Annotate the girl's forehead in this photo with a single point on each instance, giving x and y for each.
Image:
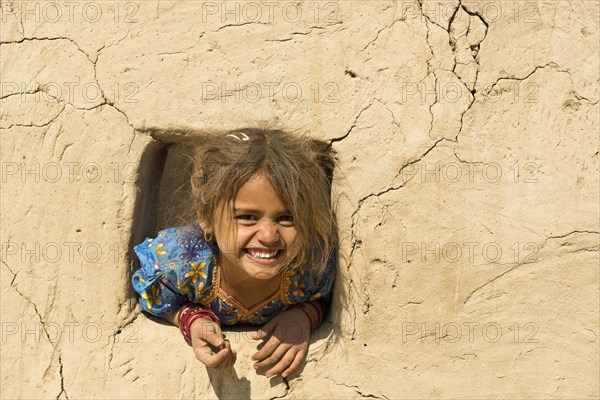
(258, 193)
(258, 185)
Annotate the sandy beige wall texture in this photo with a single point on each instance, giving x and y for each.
(467, 193)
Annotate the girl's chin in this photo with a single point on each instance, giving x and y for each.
(264, 277)
(262, 271)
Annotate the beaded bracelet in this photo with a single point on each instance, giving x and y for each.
(314, 312)
(188, 314)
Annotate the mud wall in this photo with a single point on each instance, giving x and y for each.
(467, 192)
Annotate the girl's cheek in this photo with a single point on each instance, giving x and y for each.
(244, 234)
(292, 237)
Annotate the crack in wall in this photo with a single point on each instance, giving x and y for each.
(492, 280)
(292, 34)
(339, 139)
(452, 41)
(104, 100)
(518, 79)
(401, 185)
(43, 323)
(33, 125)
(430, 70)
(475, 59)
(387, 27)
(568, 234)
(63, 102)
(287, 390)
(537, 68)
(106, 46)
(238, 25)
(128, 321)
(34, 39)
(62, 379)
(421, 3)
(358, 390)
(356, 243)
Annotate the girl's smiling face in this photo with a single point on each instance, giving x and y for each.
(265, 232)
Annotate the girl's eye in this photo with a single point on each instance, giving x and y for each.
(286, 218)
(245, 217)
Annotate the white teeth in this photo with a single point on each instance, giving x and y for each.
(260, 254)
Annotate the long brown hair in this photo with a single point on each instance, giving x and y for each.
(298, 167)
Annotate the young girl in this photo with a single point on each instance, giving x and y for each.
(262, 252)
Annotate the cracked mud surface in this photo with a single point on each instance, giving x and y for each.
(467, 134)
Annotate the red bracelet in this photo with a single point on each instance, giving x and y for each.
(190, 313)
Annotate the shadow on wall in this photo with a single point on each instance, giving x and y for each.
(162, 191)
(164, 199)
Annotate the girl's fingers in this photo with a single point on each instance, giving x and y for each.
(267, 350)
(220, 359)
(223, 363)
(283, 364)
(273, 358)
(231, 360)
(205, 354)
(226, 353)
(295, 364)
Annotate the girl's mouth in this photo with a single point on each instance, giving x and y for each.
(262, 256)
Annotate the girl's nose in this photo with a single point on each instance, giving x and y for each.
(268, 233)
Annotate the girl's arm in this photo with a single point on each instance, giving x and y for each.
(316, 311)
(172, 318)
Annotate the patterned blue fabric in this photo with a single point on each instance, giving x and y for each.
(179, 266)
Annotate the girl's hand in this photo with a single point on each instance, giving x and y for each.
(210, 345)
(288, 343)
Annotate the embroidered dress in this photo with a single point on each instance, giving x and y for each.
(179, 266)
